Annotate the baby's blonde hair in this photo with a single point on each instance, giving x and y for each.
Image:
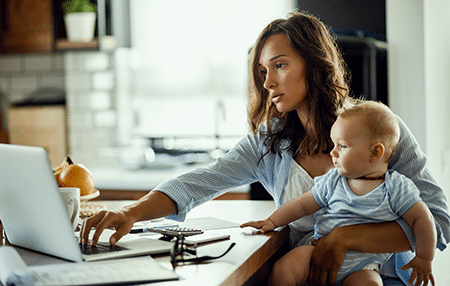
(380, 121)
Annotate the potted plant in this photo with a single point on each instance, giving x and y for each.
(79, 18)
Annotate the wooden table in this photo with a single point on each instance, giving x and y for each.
(248, 263)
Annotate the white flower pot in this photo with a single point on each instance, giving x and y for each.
(80, 26)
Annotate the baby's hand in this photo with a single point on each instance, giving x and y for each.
(263, 225)
(421, 269)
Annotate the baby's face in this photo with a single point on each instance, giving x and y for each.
(351, 153)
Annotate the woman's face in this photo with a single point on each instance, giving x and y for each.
(284, 75)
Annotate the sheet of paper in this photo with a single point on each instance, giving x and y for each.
(208, 223)
(10, 263)
(13, 271)
(129, 270)
(203, 223)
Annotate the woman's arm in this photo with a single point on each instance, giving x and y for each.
(177, 196)
(409, 160)
(330, 250)
(153, 205)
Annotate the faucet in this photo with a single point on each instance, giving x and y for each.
(219, 115)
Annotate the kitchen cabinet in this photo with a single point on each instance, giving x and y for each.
(33, 26)
(43, 126)
(26, 26)
(3, 132)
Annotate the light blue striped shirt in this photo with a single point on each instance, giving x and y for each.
(240, 166)
(341, 206)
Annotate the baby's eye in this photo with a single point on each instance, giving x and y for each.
(343, 146)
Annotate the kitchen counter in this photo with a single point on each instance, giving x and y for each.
(120, 180)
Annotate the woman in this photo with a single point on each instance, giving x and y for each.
(298, 82)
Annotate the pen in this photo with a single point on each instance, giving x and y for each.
(144, 229)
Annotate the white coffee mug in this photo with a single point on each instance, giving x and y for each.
(71, 198)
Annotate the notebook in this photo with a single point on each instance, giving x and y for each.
(33, 213)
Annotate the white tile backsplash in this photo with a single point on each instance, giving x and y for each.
(4, 84)
(96, 62)
(100, 100)
(105, 119)
(103, 80)
(76, 80)
(89, 81)
(58, 62)
(72, 62)
(52, 81)
(15, 96)
(79, 121)
(39, 62)
(11, 63)
(24, 83)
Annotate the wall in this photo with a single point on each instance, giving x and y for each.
(419, 43)
(437, 88)
(22, 74)
(437, 103)
(419, 67)
(406, 79)
(92, 106)
(87, 77)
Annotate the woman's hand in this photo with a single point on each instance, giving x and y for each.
(263, 225)
(117, 219)
(153, 205)
(326, 260)
(421, 269)
(329, 254)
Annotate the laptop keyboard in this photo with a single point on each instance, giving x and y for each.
(100, 248)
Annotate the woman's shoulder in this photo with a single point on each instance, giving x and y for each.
(396, 180)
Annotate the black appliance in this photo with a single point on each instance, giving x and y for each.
(366, 58)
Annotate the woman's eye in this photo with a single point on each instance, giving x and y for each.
(280, 65)
(263, 72)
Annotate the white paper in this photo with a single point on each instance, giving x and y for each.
(13, 268)
(130, 270)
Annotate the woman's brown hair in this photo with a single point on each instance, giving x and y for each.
(326, 84)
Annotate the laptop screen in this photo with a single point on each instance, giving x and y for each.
(31, 207)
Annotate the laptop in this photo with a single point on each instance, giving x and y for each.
(34, 217)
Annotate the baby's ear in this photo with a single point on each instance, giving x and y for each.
(377, 152)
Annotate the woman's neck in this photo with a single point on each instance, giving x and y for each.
(303, 114)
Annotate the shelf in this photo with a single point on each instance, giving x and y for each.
(64, 44)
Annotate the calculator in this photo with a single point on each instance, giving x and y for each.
(175, 230)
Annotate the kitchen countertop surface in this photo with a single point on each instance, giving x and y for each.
(117, 178)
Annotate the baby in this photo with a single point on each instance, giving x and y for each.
(360, 189)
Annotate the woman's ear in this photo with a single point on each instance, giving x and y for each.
(377, 152)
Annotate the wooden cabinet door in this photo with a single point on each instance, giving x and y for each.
(26, 26)
(43, 126)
